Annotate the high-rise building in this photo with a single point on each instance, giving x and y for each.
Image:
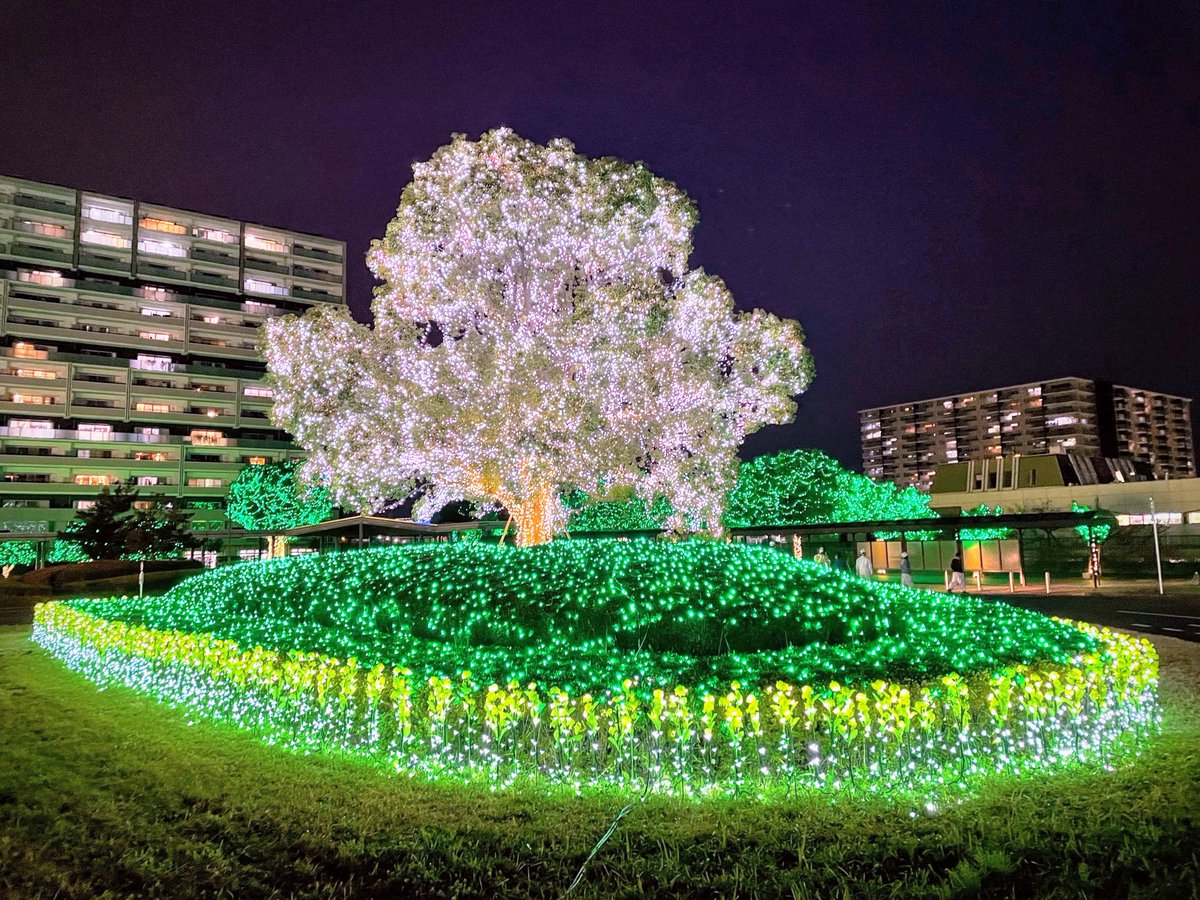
(128, 348)
(905, 442)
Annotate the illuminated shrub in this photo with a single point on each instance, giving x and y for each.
(698, 667)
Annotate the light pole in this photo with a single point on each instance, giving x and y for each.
(1157, 553)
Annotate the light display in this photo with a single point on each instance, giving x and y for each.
(984, 533)
(18, 553)
(615, 514)
(271, 498)
(916, 705)
(538, 330)
(806, 487)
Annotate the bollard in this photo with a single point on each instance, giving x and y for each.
(1011, 588)
(1047, 582)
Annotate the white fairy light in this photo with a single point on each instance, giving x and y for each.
(536, 330)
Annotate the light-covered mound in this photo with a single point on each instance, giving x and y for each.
(692, 668)
(587, 614)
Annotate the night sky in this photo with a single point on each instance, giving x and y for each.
(946, 200)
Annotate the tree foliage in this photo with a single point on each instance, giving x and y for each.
(114, 527)
(272, 498)
(612, 513)
(805, 487)
(983, 532)
(537, 330)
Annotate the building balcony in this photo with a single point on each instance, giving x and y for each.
(122, 264)
(33, 410)
(314, 253)
(254, 264)
(306, 294)
(46, 204)
(40, 254)
(210, 279)
(204, 254)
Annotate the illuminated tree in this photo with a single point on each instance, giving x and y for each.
(1093, 535)
(806, 487)
(984, 533)
(613, 513)
(271, 497)
(537, 330)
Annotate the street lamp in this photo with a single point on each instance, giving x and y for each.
(1157, 553)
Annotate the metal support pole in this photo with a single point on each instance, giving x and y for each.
(1047, 582)
(1157, 553)
(1011, 588)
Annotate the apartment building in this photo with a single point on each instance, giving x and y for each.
(128, 348)
(906, 442)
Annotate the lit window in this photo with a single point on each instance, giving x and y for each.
(154, 335)
(147, 480)
(42, 276)
(94, 431)
(46, 229)
(30, 428)
(84, 504)
(162, 248)
(266, 309)
(264, 287)
(104, 238)
(33, 399)
(107, 214)
(205, 438)
(160, 225)
(257, 460)
(149, 432)
(94, 480)
(215, 234)
(148, 456)
(157, 293)
(267, 392)
(211, 320)
(44, 374)
(150, 363)
(144, 406)
(205, 482)
(156, 311)
(254, 242)
(1059, 421)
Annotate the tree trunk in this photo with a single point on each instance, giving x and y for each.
(534, 516)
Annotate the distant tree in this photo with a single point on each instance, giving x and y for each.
(113, 528)
(805, 487)
(984, 533)
(618, 511)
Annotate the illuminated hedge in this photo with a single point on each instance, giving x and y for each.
(668, 738)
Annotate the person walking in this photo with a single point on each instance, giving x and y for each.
(821, 557)
(958, 581)
(839, 562)
(905, 570)
(862, 566)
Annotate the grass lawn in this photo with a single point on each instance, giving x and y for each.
(107, 794)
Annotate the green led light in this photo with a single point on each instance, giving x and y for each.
(693, 668)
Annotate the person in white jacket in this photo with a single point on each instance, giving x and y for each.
(862, 566)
